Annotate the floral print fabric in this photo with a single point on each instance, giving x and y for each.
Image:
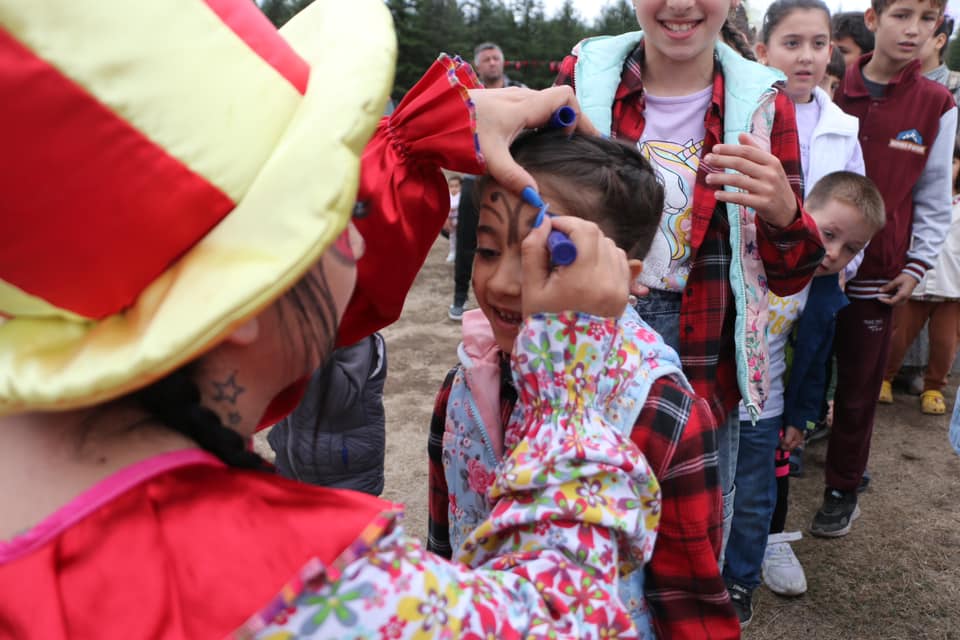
(572, 497)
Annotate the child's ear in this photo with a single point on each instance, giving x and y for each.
(636, 267)
(870, 18)
(761, 51)
(246, 334)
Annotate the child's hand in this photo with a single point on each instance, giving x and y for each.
(597, 282)
(765, 186)
(898, 290)
(792, 438)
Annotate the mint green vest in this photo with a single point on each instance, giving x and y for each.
(748, 106)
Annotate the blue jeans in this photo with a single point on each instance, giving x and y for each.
(661, 310)
(728, 446)
(756, 498)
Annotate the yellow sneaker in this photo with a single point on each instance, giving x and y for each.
(932, 403)
(886, 393)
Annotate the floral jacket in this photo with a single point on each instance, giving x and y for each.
(572, 498)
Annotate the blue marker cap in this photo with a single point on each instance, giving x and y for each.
(562, 250)
(562, 118)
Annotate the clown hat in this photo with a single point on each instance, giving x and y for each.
(168, 169)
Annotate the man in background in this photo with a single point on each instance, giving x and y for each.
(488, 62)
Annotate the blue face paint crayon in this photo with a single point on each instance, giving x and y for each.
(562, 118)
(562, 250)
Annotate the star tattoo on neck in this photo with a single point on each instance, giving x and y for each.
(228, 390)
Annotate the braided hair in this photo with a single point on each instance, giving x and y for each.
(175, 401)
(605, 181)
(736, 39)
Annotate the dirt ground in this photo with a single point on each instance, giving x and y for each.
(896, 576)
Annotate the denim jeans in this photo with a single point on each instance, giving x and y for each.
(756, 498)
(728, 446)
(661, 310)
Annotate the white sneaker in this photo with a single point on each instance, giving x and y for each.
(782, 572)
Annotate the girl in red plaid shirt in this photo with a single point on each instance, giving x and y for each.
(723, 137)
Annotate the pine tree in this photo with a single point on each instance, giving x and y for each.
(279, 11)
(615, 18)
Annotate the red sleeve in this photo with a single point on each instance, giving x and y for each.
(403, 199)
(790, 255)
(684, 589)
(565, 75)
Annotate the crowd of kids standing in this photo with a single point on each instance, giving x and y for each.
(610, 455)
(863, 123)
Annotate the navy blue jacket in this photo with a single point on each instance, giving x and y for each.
(812, 345)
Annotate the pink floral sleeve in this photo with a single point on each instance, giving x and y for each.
(573, 495)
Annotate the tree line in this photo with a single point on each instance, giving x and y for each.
(530, 40)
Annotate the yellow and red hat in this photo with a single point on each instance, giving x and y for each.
(168, 169)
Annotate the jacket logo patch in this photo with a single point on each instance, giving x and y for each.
(909, 140)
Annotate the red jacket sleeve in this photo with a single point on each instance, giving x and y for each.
(403, 198)
(565, 75)
(790, 255)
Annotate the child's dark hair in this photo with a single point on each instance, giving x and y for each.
(837, 67)
(609, 183)
(956, 156)
(853, 189)
(945, 29)
(850, 24)
(881, 5)
(780, 9)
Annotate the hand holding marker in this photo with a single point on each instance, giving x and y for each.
(562, 250)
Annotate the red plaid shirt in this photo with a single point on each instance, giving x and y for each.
(790, 255)
(675, 430)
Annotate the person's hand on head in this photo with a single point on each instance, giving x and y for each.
(503, 113)
(760, 176)
(898, 290)
(596, 283)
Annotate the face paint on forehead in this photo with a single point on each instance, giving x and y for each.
(513, 215)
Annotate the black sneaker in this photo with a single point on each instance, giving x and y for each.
(864, 482)
(836, 515)
(742, 599)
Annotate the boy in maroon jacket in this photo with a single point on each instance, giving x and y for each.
(907, 126)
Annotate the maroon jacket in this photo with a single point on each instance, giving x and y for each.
(897, 133)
